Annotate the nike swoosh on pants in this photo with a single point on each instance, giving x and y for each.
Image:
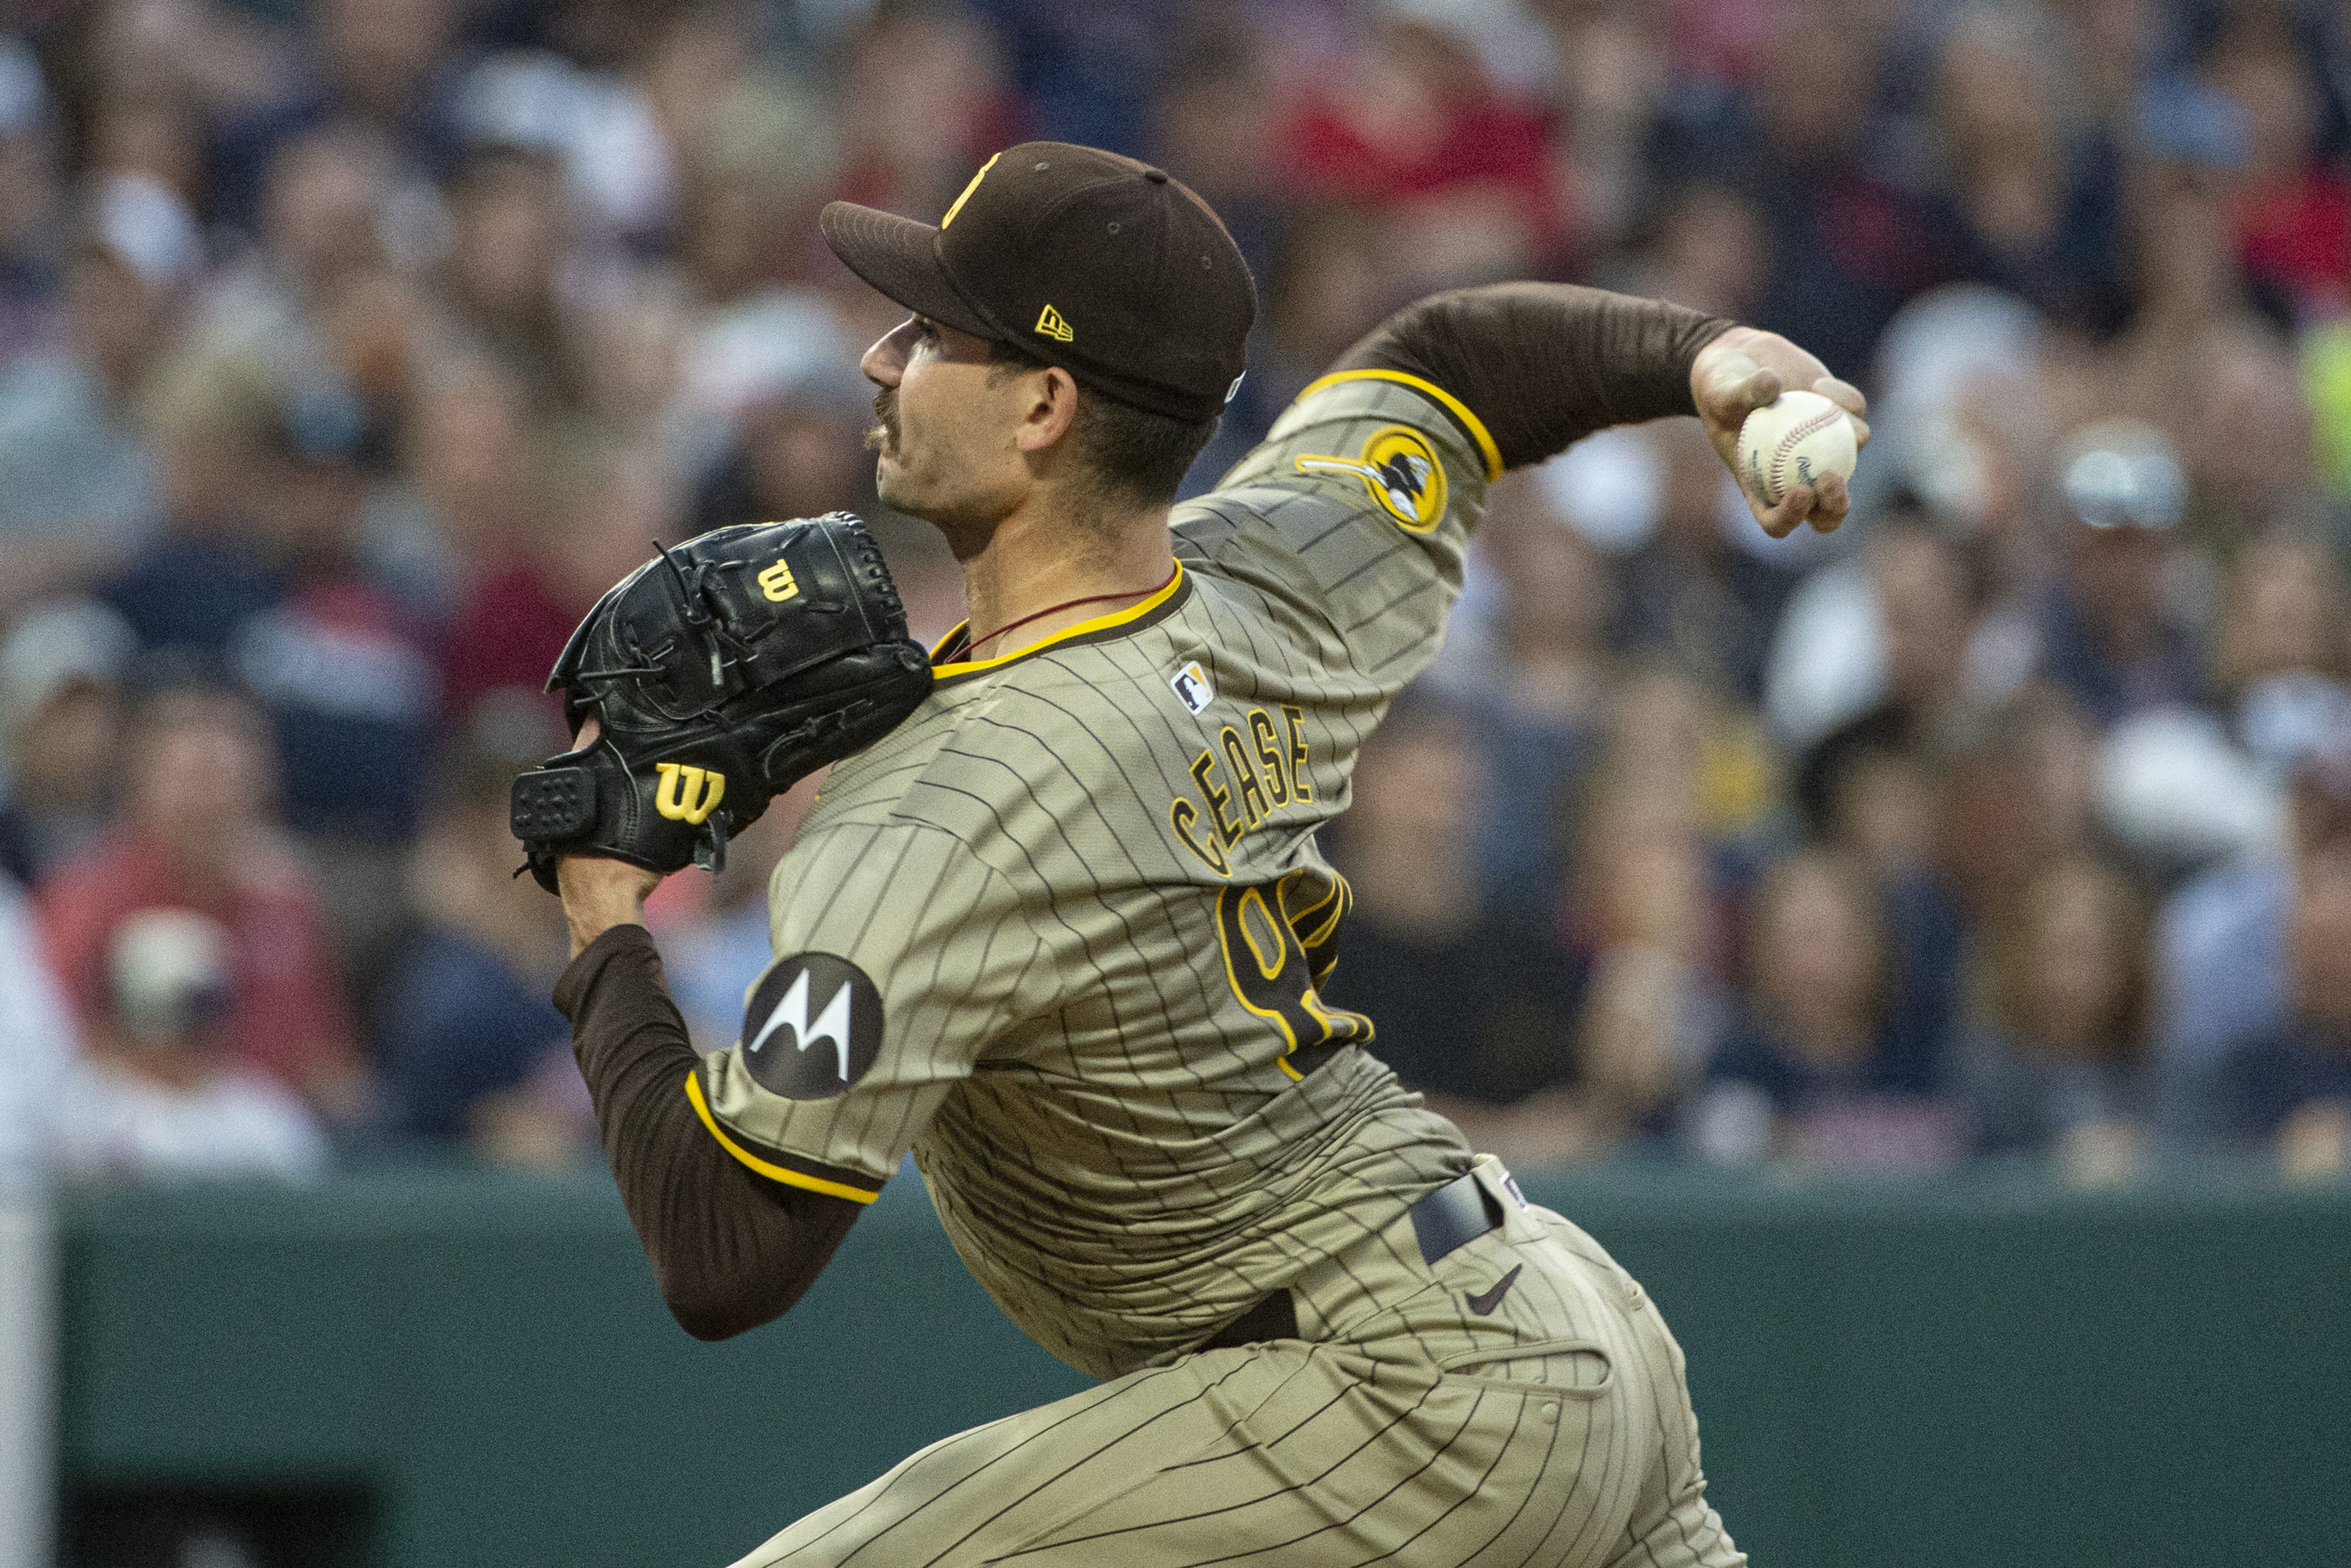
(1485, 1303)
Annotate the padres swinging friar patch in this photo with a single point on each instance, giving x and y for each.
(812, 1027)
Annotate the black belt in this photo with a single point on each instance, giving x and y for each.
(1454, 1214)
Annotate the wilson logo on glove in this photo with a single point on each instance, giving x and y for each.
(688, 794)
(761, 651)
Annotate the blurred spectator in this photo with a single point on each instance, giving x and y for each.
(509, 239)
(755, 334)
(1709, 248)
(326, 217)
(572, 101)
(792, 457)
(474, 457)
(1690, 594)
(2034, 197)
(161, 1093)
(2294, 211)
(2247, 441)
(1847, 245)
(1085, 68)
(2110, 635)
(2017, 785)
(593, 511)
(60, 718)
(78, 486)
(1540, 707)
(1474, 1008)
(2283, 651)
(1810, 1074)
(467, 1044)
(1878, 639)
(1970, 383)
(190, 586)
(1644, 901)
(2058, 1065)
(2291, 1084)
(28, 201)
(2224, 940)
(195, 833)
(383, 64)
(341, 669)
(1413, 123)
(1921, 605)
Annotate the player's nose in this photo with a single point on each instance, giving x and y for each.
(885, 361)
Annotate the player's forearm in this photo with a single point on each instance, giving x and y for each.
(1545, 364)
(730, 1249)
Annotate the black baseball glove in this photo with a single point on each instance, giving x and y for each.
(720, 674)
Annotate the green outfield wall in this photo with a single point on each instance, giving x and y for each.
(460, 1367)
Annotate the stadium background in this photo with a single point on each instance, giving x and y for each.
(1978, 877)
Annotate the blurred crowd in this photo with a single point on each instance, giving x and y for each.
(348, 350)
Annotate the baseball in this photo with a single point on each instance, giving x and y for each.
(1793, 439)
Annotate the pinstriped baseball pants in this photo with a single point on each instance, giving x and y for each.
(1403, 1428)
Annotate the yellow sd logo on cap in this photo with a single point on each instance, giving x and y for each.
(688, 794)
(1401, 472)
(968, 190)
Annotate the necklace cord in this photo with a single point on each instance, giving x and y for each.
(972, 645)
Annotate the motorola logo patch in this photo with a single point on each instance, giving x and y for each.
(812, 1027)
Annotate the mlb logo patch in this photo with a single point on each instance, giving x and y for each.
(1192, 688)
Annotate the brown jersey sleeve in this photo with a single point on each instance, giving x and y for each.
(729, 1249)
(1543, 365)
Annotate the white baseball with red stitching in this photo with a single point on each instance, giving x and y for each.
(1794, 440)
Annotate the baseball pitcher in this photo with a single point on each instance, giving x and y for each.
(1060, 932)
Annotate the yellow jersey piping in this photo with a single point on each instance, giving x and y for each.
(1111, 621)
(765, 1167)
(1451, 404)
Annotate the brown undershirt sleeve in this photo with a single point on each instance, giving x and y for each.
(1545, 364)
(730, 1249)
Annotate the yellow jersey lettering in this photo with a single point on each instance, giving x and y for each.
(1202, 766)
(1181, 816)
(1268, 752)
(1245, 778)
(1300, 784)
(1260, 942)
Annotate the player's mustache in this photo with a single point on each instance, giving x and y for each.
(883, 437)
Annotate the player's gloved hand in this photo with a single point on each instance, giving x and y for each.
(1739, 373)
(720, 674)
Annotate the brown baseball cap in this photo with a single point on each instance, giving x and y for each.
(1098, 264)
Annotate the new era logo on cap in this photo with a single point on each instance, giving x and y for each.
(1050, 325)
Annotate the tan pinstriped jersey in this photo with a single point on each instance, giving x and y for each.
(1059, 933)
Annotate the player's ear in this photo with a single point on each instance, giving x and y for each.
(1052, 409)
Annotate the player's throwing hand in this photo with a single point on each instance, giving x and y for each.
(1741, 372)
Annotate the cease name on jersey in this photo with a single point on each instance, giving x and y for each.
(1242, 781)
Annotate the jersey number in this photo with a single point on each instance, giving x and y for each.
(1274, 957)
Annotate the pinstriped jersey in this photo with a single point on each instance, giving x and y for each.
(1062, 932)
